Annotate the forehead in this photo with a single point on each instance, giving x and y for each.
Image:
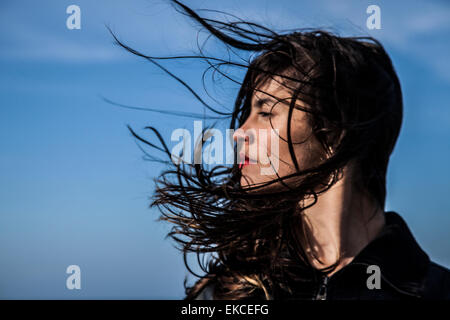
(272, 89)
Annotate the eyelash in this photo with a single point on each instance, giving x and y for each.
(264, 114)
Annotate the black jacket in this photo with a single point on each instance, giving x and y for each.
(406, 271)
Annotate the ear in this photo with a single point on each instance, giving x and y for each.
(332, 148)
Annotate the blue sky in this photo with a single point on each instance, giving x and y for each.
(73, 185)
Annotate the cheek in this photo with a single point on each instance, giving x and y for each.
(303, 150)
(276, 130)
(267, 147)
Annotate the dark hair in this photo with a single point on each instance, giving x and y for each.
(253, 241)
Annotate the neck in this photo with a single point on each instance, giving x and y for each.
(343, 221)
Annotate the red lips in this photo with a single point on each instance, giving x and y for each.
(246, 160)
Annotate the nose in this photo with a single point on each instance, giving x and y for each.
(240, 136)
(244, 138)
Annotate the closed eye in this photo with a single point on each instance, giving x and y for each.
(264, 114)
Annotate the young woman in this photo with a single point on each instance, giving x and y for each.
(313, 226)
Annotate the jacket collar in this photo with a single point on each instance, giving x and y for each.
(403, 264)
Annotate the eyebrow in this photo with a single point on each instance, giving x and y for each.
(260, 102)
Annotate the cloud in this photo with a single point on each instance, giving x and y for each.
(154, 27)
(420, 31)
(45, 37)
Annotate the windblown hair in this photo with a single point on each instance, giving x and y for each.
(251, 244)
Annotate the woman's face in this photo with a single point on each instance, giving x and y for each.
(262, 151)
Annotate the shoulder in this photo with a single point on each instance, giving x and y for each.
(437, 283)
